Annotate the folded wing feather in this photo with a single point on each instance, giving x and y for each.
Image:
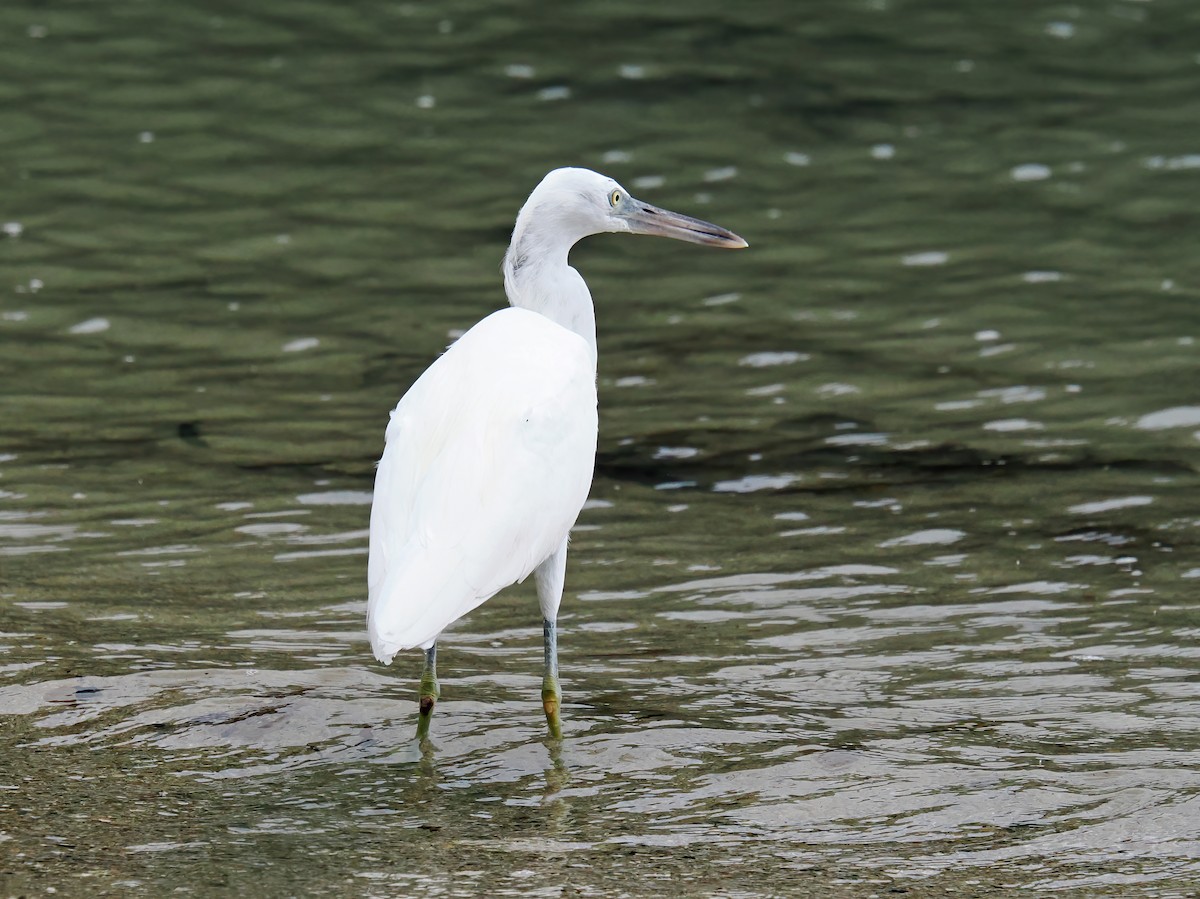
(488, 460)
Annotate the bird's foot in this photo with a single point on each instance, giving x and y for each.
(426, 715)
(430, 691)
(551, 701)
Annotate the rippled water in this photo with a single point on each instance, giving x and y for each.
(889, 577)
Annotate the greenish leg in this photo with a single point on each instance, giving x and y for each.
(429, 692)
(551, 696)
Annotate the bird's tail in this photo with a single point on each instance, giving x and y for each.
(414, 603)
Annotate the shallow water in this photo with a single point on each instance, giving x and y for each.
(889, 577)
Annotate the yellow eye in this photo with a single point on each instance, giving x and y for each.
(614, 198)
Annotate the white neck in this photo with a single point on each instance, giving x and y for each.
(537, 277)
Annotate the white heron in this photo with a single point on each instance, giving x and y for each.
(488, 457)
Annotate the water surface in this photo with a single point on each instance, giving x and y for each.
(888, 581)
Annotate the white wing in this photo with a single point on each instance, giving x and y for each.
(488, 461)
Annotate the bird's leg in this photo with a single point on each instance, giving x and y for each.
(429, 692)
(551, 696)
(549, 577)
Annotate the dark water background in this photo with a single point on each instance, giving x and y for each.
(889, 580)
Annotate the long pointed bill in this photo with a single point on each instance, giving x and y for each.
(647, 219)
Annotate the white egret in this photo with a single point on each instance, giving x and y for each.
(488, 457)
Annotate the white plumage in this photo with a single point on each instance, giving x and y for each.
(488, 457)
(488, 461)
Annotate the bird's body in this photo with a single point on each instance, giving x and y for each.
(487, 463)
(488, 457)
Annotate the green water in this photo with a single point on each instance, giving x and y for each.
(889, 579)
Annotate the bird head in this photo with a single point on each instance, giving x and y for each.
(578, 202)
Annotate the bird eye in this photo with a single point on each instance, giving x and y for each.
(614, 198)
